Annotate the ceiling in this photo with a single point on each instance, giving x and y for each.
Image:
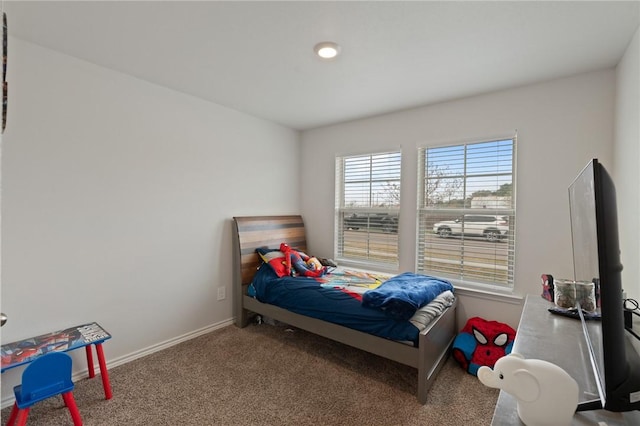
(257, 57)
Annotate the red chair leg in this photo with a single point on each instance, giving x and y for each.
(14, 414)
(22, 416)
(73, 408)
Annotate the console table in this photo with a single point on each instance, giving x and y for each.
(560, 340)
(82, 336)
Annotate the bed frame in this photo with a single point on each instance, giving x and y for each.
(269, 231)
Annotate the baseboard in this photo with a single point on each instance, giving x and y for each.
(82, 374)
(157, 347)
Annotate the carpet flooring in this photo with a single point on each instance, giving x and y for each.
(270, 375)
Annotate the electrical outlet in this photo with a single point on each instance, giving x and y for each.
(222, 293)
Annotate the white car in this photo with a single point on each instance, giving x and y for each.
(493, 228)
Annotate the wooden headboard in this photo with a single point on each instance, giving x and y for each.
(253, 232)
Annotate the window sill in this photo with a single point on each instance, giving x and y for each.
(499, 296)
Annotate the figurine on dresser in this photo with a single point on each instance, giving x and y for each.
(546, 394)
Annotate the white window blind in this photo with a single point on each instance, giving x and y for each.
(467, 211)
(367, 209)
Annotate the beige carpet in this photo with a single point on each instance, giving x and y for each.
(270, 375)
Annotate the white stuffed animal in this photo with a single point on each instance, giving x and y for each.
(546, 394)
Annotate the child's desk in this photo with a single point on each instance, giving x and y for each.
(26, 350)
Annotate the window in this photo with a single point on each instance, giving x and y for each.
(466, 213)
(367, 209)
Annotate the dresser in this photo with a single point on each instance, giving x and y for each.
(560, 340)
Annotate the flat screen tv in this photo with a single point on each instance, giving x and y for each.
(596, 257)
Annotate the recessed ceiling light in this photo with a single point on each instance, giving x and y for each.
(327, 49)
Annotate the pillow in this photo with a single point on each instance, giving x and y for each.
(482, 343)
(275, 259)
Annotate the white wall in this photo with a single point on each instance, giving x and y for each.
(117, 202)
(118, 194)
(626, 173)
(561, 124)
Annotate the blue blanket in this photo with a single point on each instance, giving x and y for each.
(401, 296)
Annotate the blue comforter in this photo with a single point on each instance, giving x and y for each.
(401, 296)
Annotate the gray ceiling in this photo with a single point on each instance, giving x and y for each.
(257, 57)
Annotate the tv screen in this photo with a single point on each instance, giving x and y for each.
(596, 258)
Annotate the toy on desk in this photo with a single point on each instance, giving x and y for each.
(546, 394)
(547, 287)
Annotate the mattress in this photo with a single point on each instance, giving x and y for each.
(337, 298)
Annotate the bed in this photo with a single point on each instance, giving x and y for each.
(433, 343)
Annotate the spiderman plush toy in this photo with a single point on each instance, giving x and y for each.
(301, 263)
(482, 342)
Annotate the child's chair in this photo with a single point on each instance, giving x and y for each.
(46, 376)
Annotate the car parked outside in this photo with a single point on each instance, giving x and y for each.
(493, 228)
(383, 222)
